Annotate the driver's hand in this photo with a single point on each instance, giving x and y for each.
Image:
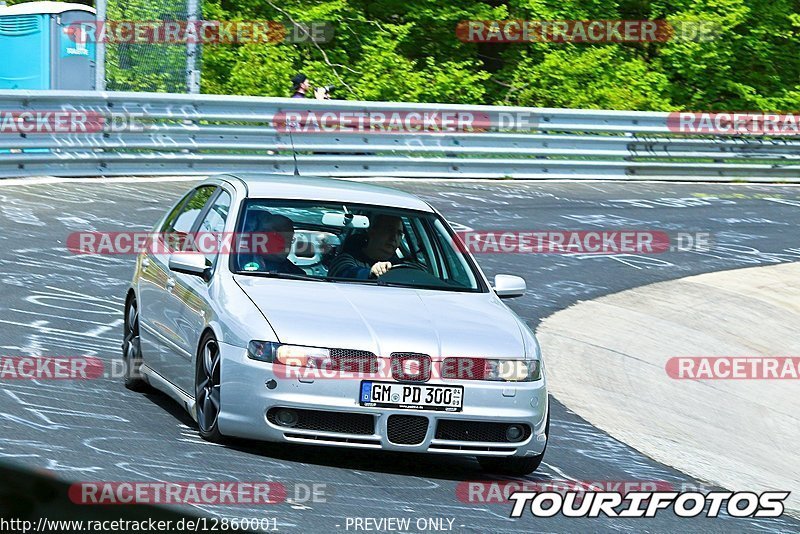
(380, 268)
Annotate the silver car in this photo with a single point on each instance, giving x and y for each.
(360, 321)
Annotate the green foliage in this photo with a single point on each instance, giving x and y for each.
(145, 67)
(373, 56)
(407, 50)
(590, 78)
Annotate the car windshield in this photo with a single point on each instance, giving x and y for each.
(332, 242)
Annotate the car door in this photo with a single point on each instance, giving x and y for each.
(190, 304)
(158, 283)
(152, 281)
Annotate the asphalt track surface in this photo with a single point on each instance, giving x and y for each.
(59, 304)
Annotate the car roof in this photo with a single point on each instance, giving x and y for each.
(285, 186)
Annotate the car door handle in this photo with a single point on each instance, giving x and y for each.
(170, 285)
(145, 263)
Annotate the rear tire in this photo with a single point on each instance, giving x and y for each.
(517, 466)
(132, 349)
(207, 389)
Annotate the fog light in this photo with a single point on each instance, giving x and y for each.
(514, 433)
(286, 417)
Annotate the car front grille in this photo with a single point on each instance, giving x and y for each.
(324, 421)
(411, 367)
(456, 430)
(407, 429)
(354, 361)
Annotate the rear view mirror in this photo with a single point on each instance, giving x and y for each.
(342, 220)
(508, 286)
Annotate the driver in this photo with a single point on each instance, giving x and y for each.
(372, 259)
(279, 231)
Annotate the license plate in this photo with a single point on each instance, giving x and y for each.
(411, 396)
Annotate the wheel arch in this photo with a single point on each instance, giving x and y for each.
(212, 329)
(207, 329)
(212, 434)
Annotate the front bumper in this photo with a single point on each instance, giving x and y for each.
(246, 400)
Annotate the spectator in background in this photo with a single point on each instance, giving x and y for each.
(300, 85)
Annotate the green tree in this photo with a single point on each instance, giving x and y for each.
(408, 50)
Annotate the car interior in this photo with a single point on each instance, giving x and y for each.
(321, 233)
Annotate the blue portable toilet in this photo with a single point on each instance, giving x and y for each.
(37, 49)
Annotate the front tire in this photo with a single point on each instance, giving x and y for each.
(207, 389)
(132, 349)
(517, 466)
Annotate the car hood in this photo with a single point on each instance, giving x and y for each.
(386, 319)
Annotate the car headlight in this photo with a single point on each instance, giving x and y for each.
(512, 370)
(494, 370)
(291, 355)
(263, 351)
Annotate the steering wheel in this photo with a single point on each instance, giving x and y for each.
(408, 265)
(411, 273)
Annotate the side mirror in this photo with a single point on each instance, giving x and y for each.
(508, 286)
(190, 263)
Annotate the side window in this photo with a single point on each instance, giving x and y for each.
(408, 246)
(214, 223)
(183, 224)
(180, 222)
(419, 242)
(454, 265)
(168, 222)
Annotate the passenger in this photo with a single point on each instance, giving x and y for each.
(371, 259)
(255, 220)
(279, 232)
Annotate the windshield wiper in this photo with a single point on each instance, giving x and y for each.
(424, 286)
(339, 279)
(287, 276)
(384, 283)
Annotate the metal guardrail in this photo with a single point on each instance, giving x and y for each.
(201, 134)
